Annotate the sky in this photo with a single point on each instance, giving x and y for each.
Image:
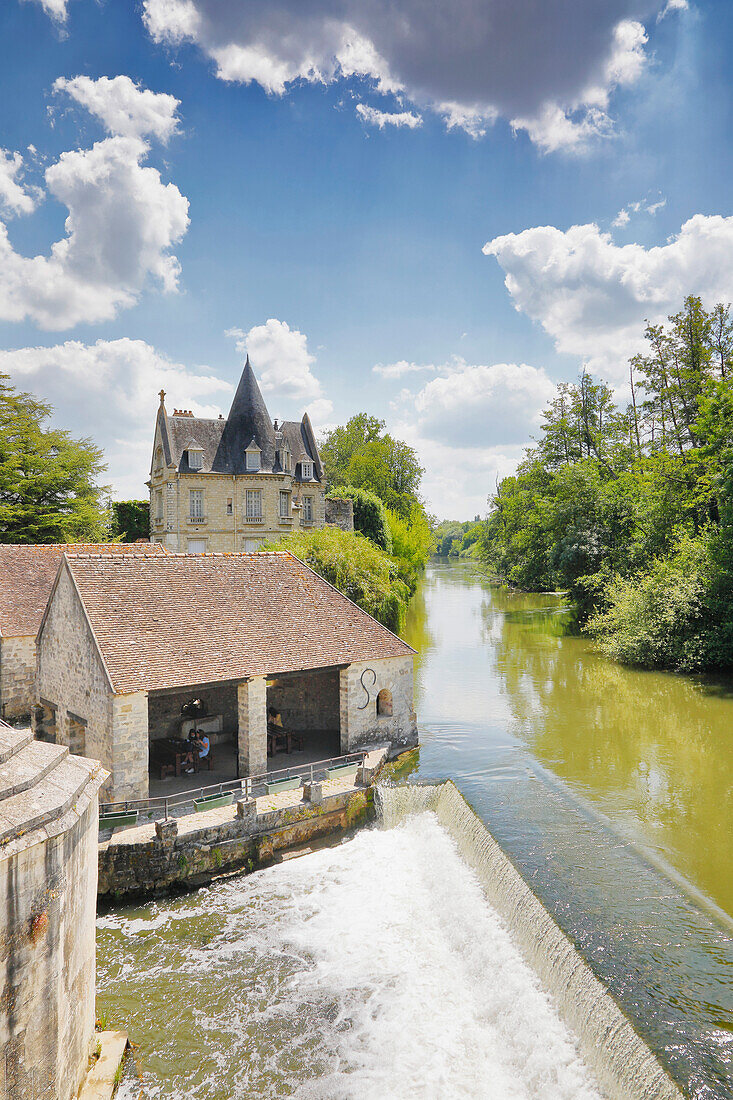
(431, 212)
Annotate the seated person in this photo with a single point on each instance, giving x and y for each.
(201, 744)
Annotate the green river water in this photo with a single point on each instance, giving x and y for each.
(653, 752)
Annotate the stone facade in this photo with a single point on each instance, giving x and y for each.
(71, 678)
(368, 720)
(48, 895)
(230, 484)
(253, 726)
(225, 526)
(17, 677)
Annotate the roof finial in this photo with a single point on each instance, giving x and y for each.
(162, 397)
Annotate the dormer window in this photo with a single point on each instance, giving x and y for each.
(306, 470)
(252, 458)
(195, 458)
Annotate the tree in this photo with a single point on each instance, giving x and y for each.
(48, 481)
(362, 454)
(130, 520)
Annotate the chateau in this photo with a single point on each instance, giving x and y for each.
(229, 484)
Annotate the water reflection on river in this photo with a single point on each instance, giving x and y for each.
(651, 751)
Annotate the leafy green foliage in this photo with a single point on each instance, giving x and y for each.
(454, 539)
(631, 510)
(358, 568)
(370, 515)
(364, 455)
(48, 481)
(412, 542)
(130, 520)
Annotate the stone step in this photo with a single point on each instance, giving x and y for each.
(29, 766)
(43, 802)
(12, 741)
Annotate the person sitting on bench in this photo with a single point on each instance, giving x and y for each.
(276, 733)
(201, 743)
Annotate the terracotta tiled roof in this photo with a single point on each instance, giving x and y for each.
(27, 574)
(187, 619)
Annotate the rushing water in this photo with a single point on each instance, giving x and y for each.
(377, 968)
(374, 970)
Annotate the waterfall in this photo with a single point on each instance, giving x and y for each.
(623, 1064)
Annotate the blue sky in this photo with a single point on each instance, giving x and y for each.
(430, 212)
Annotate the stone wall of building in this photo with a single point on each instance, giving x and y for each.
(164, 710)
(222, 531)
(252, 736)
(340, 513)
(48, 898)
(130, 747)
(17, 677)
(307, 700)
(71, 677)
(362, 723)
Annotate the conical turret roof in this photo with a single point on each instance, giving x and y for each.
(248, 420)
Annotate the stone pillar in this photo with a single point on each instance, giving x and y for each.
(129, 764)
(252, 738)
(344, 708)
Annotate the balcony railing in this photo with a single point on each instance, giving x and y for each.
(254, 519)
(197, 519)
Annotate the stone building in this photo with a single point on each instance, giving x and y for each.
(125, 642)
(48, 898)
(229, 484)
(27, 574)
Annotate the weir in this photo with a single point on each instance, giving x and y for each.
(623, 1064)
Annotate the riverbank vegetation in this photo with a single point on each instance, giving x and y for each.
(631, 509)
(454, 539)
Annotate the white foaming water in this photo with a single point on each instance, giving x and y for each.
(369, 971)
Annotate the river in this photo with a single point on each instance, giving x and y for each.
(374, 970)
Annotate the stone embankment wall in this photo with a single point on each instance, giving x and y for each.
(190, 851)
(17, 677)
(48, 890)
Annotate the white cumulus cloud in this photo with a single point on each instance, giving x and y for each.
(123, 107)
(592, 296)
(56, 9)
(280, 358)
(112, 386)
(122, 224)
(15, 196)
(552, 73)
(401, 368)
(470, 425)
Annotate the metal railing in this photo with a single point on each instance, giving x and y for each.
(250, 786)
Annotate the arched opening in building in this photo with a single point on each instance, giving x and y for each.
(384, 702)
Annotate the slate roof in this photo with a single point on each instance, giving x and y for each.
(27, 574)
(182, 619)
(225, 441)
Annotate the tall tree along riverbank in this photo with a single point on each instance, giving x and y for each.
(631, 509)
